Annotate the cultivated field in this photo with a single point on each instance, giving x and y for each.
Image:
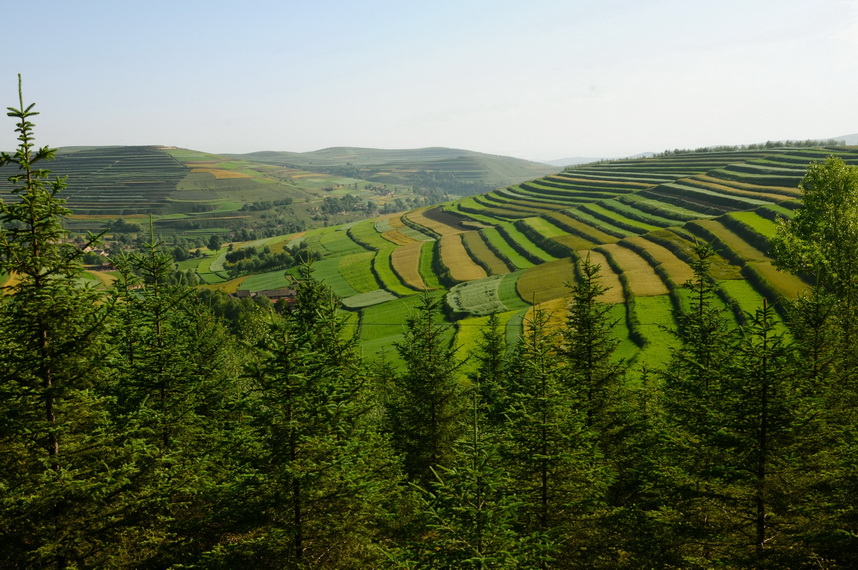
(515, 248)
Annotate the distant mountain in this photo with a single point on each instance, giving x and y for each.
(456, 171)
(850, 140)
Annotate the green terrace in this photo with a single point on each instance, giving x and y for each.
(504, 251)
(131, 180)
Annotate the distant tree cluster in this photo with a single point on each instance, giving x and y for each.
(349, 203)
(756, 146)
(121, 226)
(252, 260)
(265, 205)
(154, 426)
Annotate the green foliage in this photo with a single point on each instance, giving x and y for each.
(426, 410)
(67, 468)
(591, 373)
(321, 466)
(549, 451)
(214, 242)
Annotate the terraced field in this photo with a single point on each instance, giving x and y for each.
(515, 248)
(130, 180)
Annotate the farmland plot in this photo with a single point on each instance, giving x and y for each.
(609, 279)
(477, 298)
(616, 218)
(405, 261)
(368, 299)
(548, 281)
(364, 233)
(456, 259)
(677, 270)
(264, 281)
(383, 268)
(434, 226)
(578, 228)
(496, 242)
(642, 278)
(338, 241)
(476, 246)
(357, 270)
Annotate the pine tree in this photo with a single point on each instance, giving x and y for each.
(640, 493)
(323, 472)
(176, 388)
(68, 471)
(591, 372)
(555, 468)
(770, 424)
(467, 516)
(425, 414)
(488, 376)
(693, 397)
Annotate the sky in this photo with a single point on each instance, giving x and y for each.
(541, 79)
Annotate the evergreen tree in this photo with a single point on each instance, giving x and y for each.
(467, 516)
(323, 472)
(769, 422)
(176, 388)
(68, 471)
(552, 456)
(693, 397)
(591, 373)
(640, 493)
(489, 374)
(426, 412)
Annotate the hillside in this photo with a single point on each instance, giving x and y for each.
(190, 191)
(510, 249)
(456, 171)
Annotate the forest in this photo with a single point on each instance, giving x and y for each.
(142, 428)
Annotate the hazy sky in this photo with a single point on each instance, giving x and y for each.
(537, 79)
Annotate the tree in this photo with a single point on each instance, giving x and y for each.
(550, 453)
(822, 237)
(821, 241)
(322, 471)
(427, 407)
(488, 376)
(67, 468)
(694, 382)
(467, 515)
(591, 373)
(214, 242)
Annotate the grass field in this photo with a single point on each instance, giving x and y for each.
(382, 326)
(655, 315)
